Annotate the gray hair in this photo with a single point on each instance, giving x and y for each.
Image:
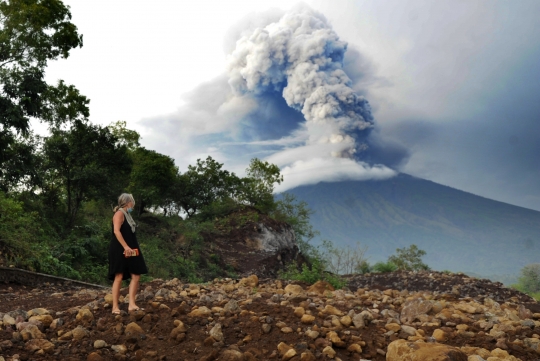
(124, 199)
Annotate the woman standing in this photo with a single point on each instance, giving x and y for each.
(125, 257)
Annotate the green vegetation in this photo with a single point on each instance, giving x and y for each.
(409, 259)
(529, 282)
(384, 267)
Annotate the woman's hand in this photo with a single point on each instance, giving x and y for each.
(128, 252)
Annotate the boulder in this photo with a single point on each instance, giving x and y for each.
(401, 350)
(251, 281)
(294, 289)
(321, 287)
(414, 309)
(133, 330)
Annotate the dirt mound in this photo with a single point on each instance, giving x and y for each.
(456, 284)
(252, 319)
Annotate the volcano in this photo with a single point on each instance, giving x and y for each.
(460, 231)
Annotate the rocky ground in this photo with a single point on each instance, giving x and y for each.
(397, 316)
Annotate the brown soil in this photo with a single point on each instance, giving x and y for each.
(266, 305)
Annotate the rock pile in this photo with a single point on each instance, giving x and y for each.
(252, 319)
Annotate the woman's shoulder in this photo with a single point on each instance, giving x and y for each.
(118, 215)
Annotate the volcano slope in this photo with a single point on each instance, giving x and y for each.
(395, 316)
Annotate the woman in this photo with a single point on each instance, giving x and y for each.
(124, 261)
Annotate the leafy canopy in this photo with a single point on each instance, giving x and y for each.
(409, 259)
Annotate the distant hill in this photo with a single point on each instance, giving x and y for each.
(459, 231)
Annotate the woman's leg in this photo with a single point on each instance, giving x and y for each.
(116, 291)
(133, 287)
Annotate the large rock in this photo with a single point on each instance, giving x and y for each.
(200, 312)
(415, 308)
(78, 333)
(401, 350)
(294, 289)
(321, 287)
(251, 281)
(39, 344)
(46, 320)
(31, 332)
(85, 316)
(133, 330)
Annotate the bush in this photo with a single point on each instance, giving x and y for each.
(384, 267)
(529, 282)
(312, 274)
(409, 259)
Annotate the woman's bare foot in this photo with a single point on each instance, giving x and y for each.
(116, 312)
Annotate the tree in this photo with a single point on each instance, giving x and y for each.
(32, 32)
(258, 186)
(153, 179)
(529, 282)
(84, 163)
(204, 184)
(129, 138)
(409, 259)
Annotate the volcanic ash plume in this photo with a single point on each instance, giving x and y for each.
(301, 57)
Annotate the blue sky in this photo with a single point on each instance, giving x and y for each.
(452, 86)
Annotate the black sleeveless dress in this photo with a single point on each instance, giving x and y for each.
(118, 263)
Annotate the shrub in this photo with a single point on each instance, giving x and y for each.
(529, 282)
(384, 267)
(312, 274)
(409, 259)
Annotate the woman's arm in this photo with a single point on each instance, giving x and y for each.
(118, 219)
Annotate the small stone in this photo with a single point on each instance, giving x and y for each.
(500, 353)
(251, 281)
(286, 330)
(329, 352)
(392, 327)
(46, 320)
(200, 312)
(408, 330)
(356, 348)
(439, 335)
(312, 334)
(79, 332)
(294, 289)
(232, 307)
(100, 344)
(31, 332)
(85, 316)
(289, 354)
(331, 310)
(120, 349)
(39, 344)
(299, 311)
(216, 332)
(346, 320)
(266, 328)
(283, 348)
(307, 356)
(307, 319)
(231, 355)
(94, 356)
(109, 299)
